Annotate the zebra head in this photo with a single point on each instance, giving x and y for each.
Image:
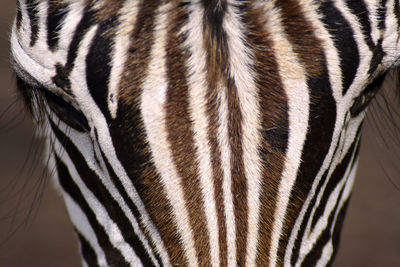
(204, 133)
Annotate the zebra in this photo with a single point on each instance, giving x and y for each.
(204, 133)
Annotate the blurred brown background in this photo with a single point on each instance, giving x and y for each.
(41, 234)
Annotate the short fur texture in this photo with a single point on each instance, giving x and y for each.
(208, 132)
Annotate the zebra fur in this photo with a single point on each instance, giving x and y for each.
(204, 133)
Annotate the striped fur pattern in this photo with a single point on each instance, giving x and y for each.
(204, 132)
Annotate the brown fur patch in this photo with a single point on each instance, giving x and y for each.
(216, 48)
(308, 49)
(239, 182)
(301, 35)
(180, 134)
(273, 105)
(109, 10)
(215, 42)
(132, 138)
(212, 114)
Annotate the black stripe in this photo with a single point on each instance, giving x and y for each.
(312, 204)
(343, 37)
(318, 140)
(131, 152)
(95, 185)
(302, 229)
(307, 215)
(381, 15)
(326, 235)
(129, 136)
(117, 183)
(378, 54)
(214, 13)
(377, 57)
(57, 13)
(335, 179)
(61, 79)
(360, 10)
(98, 65)
(87, 251)
(86, 22)
(18, 17)
(337, 230)
(396, 10)
(111, 253)
(31, 7)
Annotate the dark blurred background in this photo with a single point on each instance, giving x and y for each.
(35, 229)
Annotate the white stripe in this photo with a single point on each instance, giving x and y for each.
(81, 223)
(96, 120)
(294, 81)
(83, 143)
(41, 42)
(348, 187)
(328, 249)
(351, 129)
(127, 20)
(365, 54)
(115, 236)
(37, 59)
(241, 70)
(25, 61)
(197, 91)
(310, 11)
(372, 7)
(326, 255)
(310, 237)
(24, 34)
(79, 219)
(152, 106)
(334, 71)
(67, 30)
(223, 142)
(343, 105)
(89, 108)
(391, 44)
